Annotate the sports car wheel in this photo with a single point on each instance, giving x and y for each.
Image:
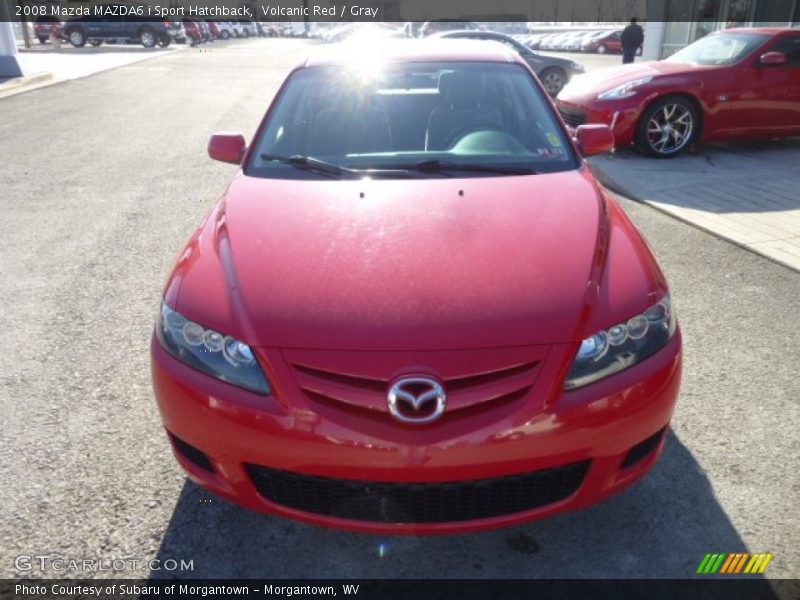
(668, 127)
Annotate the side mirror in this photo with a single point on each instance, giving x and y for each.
(594, 139)
(227, 147)
(773, 58)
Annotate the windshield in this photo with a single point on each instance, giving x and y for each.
(720, 49)
(431, 119)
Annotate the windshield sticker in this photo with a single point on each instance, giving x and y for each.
(553, 139)
(550, 152)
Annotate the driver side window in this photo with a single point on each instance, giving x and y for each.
(790, 46)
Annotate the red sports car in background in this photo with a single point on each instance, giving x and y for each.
(413, 309)
(604, 42)
(731, 85)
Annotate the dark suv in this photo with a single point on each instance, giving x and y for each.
(122, 29)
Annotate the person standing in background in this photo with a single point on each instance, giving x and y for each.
(632, 39)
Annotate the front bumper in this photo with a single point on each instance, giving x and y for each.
(581, 447)
(621, 115)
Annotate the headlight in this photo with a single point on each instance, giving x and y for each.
(626, 90)
(214, 353)
(614, 349)
(577, 67)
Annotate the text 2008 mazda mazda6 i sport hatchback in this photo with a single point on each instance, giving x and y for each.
(413, 309)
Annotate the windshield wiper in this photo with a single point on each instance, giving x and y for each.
(320, 166)
(439, 166)
(310, 163)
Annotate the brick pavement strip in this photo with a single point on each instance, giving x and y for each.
(745, 193)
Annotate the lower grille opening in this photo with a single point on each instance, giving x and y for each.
(643, 449)
(573, 118)
(192, 454)
(418, 502)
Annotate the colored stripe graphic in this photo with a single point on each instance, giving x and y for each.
(741, 563)
(711, 563)
(721, 562)
(727, 564)
(758, 563)
(703, 563)
(734, 563)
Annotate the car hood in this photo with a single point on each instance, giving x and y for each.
(396, 264)
(602, 80)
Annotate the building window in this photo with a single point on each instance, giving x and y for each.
(775, 12)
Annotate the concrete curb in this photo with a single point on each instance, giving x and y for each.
(18, 85)
(614, 186)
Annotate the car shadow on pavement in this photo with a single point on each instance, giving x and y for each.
(660, 527)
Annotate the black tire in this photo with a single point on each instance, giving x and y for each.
(225, 34)
(668, 127)
(42, 39)
(601, 49)
(147, 37)
(553, 79)
(76, 37)
(95, 42)
(164, 41)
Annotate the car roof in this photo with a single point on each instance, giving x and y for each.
(400, 51)
(768, 30)
(471, 32)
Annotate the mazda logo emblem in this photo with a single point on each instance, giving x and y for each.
(416, 400)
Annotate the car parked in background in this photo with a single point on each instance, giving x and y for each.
(267, 29)
(554, 72)
(431, 27)
(194, 31)
(736, 84)
(246, 28)
(534, 41)
(572, 41)
(119, 29)
(606, 42)
(225, 30)
(214, 30)
(553, 41)
(365, 33)
(528, 364)
(45, 26)
(338, 33)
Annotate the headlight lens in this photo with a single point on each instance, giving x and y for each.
(218, 355)
(622, 345)
(626, 90)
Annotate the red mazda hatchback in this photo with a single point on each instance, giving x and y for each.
(413, 309)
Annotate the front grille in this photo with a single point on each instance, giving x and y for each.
(366, 393)
(418, 502)
(572, 117)
(643, 449)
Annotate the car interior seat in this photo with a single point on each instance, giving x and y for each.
(465, 108)
(351, 125)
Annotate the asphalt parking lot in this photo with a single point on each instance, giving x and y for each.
(103, 179)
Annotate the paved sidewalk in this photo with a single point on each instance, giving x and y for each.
(746, 193)
(53, 65)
